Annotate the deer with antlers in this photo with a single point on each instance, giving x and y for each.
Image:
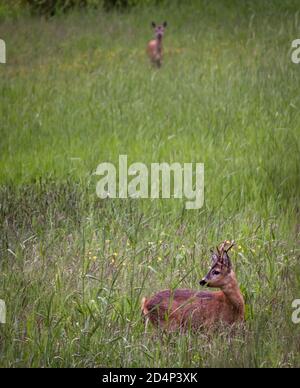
(183, 308)
(155, 46)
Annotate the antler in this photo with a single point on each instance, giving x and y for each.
(223, 247)
(223, 252)
(231, 246)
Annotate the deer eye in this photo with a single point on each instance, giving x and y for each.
(216, 273)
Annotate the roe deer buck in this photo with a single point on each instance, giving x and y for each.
(155, 46)
(183, 308)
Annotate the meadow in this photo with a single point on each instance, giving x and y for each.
(78, 90)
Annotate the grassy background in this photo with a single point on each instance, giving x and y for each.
(78, 90)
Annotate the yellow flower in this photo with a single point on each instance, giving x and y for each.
(94, 257)
(240, 247)
(115, 254)
(159, 259)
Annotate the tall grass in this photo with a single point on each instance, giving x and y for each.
(78, 90)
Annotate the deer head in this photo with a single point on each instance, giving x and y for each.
(219, 274)
(159, 30)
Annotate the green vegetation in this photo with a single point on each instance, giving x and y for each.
(77, 90)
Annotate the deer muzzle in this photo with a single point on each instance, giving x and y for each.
(203, 282)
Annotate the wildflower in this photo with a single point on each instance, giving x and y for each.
(94, 258)
(159, 259)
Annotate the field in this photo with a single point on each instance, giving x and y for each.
(77, 90)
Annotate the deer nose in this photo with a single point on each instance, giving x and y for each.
(203, 282)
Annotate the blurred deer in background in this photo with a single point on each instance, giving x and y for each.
(180, 309)
(155, 46)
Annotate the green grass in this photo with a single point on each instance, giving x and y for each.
(77, 91)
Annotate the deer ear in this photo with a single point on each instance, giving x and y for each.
(214, 258)
(165, 24)
(153, 24)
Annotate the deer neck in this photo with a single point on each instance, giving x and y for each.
(233, 293)
(159, 44)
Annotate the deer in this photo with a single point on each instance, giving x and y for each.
(155, 46)
(181, 309)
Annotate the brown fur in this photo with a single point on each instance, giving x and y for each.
(179, 309)
(155, 52)
(155, 46)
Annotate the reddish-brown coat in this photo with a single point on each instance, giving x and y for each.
(187, 308)
(155, 51)
(180, 309)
